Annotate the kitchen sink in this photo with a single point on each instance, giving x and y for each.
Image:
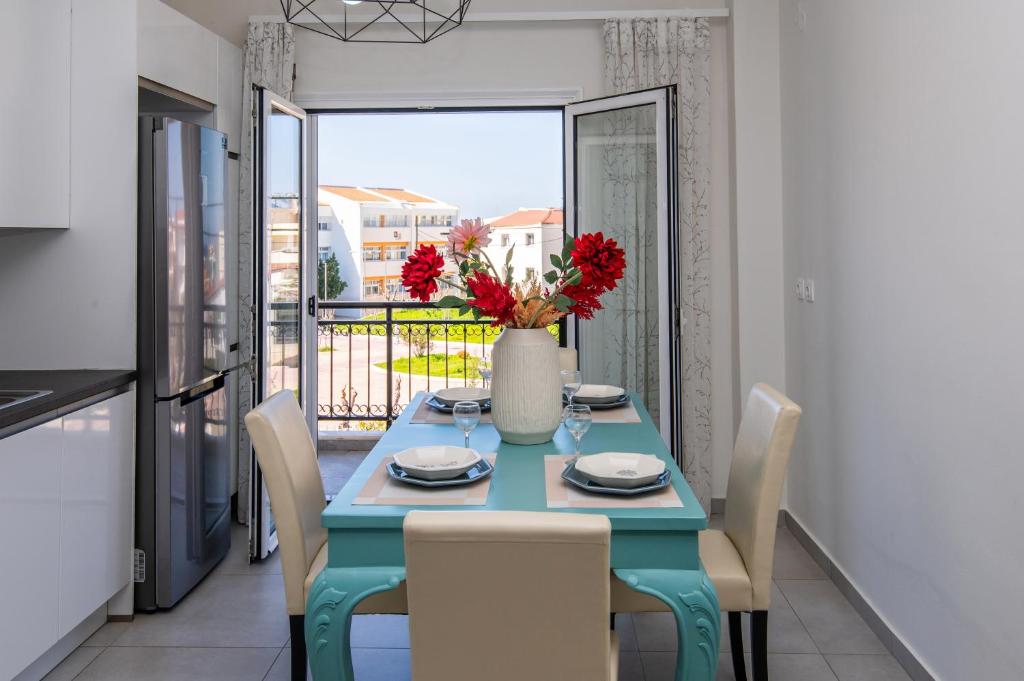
(11, 398)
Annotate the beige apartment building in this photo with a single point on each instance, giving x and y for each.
(372, 230)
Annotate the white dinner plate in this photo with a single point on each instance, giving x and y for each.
(450, 396)
(621, 469)
(592, 393)
(437, 462)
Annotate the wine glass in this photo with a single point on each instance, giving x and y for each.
(577, 421)
(572, 380)
(466, 416)
(483, 367)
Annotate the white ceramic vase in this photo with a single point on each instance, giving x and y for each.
(526, 388)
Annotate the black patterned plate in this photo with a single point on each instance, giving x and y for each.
(477, 472)
(621, 402)
(438, 405)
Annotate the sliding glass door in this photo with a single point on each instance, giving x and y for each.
(620, 180)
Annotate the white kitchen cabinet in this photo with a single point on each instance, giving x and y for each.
(35, 114)
(66, 523)
(176, 51)
(96, 506)
(29, 544)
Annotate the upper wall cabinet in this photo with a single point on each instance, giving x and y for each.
(35, 114)
(176, 51)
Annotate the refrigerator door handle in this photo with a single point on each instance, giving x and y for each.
(201, 391)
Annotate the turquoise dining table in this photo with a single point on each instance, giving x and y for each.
(653, 550)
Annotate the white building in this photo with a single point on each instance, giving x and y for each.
(372, 230)
(535, 233)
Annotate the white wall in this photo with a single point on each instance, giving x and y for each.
(497, 57)
(904, 158)
(68, 298)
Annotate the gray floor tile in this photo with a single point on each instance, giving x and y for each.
(372, 664)
(655, 631)
(866, 668)
(829, 618)
(226, 611)
(626, 630)
(782, 667)
(237, 560)
(380, 631)
(73, 664)
(107, 634)
(282, 669)
(786, 634)
(792, 561)
(180, 664)
(659, 666)
(631, 668)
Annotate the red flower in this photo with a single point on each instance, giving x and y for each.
(586, 298)
(420, 272)
(601, 261)
(491, 297)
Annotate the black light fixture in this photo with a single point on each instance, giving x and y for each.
(377, 21)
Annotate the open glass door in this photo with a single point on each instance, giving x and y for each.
(620, 179)
(282, 280)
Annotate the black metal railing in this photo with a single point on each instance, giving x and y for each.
(374, 356)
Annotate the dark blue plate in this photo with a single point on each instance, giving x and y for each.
(438, 405)
(574, 477)
(477, 472)
(597, 406)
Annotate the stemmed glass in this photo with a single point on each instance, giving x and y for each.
(572, 381)
(483, 367)
(466, 416)
(577, 421)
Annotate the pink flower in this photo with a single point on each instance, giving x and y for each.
(469, 237)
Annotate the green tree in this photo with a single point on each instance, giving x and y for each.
(331, 270)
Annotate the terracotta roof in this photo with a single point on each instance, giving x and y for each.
(354, 194)
(525, 217)
(401, 195)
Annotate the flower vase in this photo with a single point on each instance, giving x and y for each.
(526, 402)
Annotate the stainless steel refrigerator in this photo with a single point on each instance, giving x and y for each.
(187, 355)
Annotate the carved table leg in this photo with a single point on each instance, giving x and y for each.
(332, 598)
(692, 599)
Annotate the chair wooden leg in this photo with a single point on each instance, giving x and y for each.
(297, 624)
(759, 644)
(739, 666)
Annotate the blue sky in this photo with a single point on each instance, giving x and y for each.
(486, 163)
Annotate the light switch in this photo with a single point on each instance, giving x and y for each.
(809, 290)
(800, 295)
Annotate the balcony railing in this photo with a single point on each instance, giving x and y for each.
(374, 356)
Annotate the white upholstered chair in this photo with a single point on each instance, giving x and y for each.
(287, 458)
(509, 596)
(739, 558)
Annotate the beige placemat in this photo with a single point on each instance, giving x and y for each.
(425, 414)
(561, 494)
(623, 414)
(381, 490)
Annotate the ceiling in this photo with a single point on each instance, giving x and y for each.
(229, 18)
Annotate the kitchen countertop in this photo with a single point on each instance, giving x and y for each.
(68, 386)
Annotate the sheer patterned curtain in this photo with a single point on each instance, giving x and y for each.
(644, 53)
(269, 58)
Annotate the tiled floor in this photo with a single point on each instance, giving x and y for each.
(234, 627)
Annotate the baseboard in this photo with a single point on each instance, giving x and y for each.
(64, 647)
(903, 654)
